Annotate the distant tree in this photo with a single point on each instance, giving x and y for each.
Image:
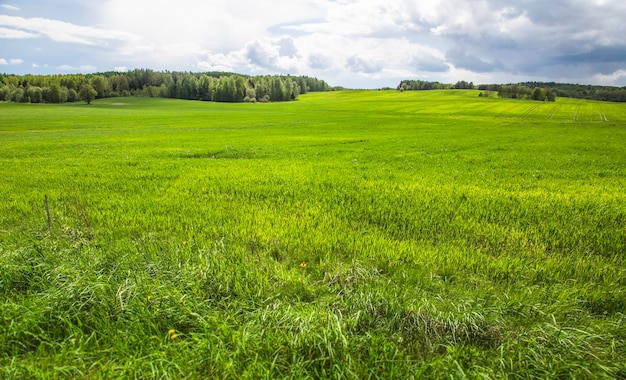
(150, 91)
(205, 88)
(87, 93)
(520, 91)
(277, 90)
(187, 87)
(164, 91)
(538, 94)
(119, 84)
(261, 88)
(56, 94)
(240, 89)
(70, 82)
(302, 85)
(463, 85)
(101, 85)
(292, 89)
(17, 95)
(35, 94)
(72, 95)
(419, 85)
(226, 90)
(250, 95)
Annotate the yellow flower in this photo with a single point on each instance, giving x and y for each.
(173, 336)
(171, 331)
(185, 242)
(149, 298)
(303, 265)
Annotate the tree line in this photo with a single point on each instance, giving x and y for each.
(208, 86)
(419, 85)
(569, 90)
(545, 91)
(519, 91)
(515, 91)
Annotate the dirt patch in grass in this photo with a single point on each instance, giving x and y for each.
(119, 104)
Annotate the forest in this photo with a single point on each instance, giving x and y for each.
(569, 90)
(519, 91)
(209, 86)
(544, 91)
(408, 85)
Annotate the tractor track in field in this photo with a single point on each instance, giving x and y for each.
(552, 112)
(575, 115)
(528, 112)
(602, 114)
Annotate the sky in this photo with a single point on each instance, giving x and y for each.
(349, 43)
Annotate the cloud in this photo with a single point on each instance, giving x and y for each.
(9, 7)
(532, 38)
(320, 62)
(231, 62)
(287, 47)
(7, 33)
(618, 78)
(360, 65)
(82, 68)
(218, 26)
(430, 64)
(13, 61)
(365, 18)
(60, 31)
(356, 43)
(463, 59)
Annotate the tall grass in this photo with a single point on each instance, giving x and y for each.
(349, 235)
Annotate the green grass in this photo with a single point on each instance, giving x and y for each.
(366, 234)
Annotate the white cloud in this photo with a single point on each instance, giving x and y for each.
(82, 68)
(7, 33)
(60, 31)
(121, 69)
(12, 61)
(9, 7)
(231, 62)
(618, 76)
(218, 25)
(363, 19)
(347, 42)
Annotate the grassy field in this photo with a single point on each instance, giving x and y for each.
(372, 234)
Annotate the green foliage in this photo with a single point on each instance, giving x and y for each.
(516, 91)
(421, 85)
(87, 93)
(35, 94)
(356, 234)
(100, 84)
(605, 93)
(17, 95)
(463, 85)
(221, 87)
(547, 91)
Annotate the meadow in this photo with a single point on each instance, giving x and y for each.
(350, 234)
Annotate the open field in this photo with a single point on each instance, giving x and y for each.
(366, 234)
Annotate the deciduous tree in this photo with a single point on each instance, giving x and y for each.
(87, 93)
